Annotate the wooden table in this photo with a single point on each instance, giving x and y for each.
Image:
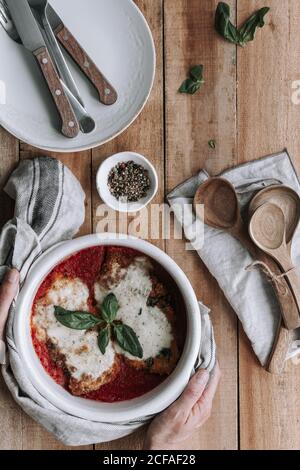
(246, 106)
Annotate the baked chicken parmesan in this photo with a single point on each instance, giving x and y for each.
(105, 326)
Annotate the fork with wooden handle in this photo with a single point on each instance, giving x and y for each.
(33, 40)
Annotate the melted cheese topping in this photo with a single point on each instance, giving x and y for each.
(132, 289)
(80, 349)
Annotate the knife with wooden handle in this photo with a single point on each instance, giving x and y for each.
(33, 40)
(107, 94)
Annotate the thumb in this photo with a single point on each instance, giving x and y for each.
(193, 391)
(8, 290)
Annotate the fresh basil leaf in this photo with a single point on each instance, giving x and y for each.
(242, 35)
(128, 340)
(103, 339)
(196, 72)
(149, 362)
(189, 86)
(76, 320)
(109, 308)
(247, 31)
(212, 144)
(223, 24)
(195, 81)
(166, 352)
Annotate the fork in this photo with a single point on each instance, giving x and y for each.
(86, 122)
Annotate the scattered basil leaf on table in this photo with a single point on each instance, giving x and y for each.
(128, 340)
(76, 320)
(246, 32)
(194, 82)
(196, 72)
(103, 339)
(223, 24)
(212, 144)
(109, 308)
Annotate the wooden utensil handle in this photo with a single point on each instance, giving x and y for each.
(279, 351)
(294, 281)
(70, 126)
(107, 93)
(287, 302)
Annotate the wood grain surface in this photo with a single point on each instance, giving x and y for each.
(246, 107)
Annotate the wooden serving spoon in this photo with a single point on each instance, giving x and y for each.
(288, 201)
(267, 229)
(222, 212)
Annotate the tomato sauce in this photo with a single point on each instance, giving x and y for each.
(130, 382)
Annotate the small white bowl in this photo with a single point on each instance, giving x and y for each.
(102, 180)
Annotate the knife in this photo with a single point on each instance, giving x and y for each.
(33, 40)
(107, 93)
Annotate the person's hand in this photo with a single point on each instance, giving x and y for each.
(8, 290)
(188, 413)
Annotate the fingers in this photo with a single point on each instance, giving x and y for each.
(192, 393)
(209, 393)
(202, 409)
(8, 290)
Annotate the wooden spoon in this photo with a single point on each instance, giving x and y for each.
(288, 201)
(221, 209)
(222, 212)
(267, 229)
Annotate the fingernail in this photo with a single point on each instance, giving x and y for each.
(12, 276)
(202, 377)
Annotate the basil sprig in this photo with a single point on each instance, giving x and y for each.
(123, 334)
(76, 320)
(103, 339)
(246, 32)
(109, 308)
(127, 339)
(194, 82)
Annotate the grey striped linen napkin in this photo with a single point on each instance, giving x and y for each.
(249, 293)
(50, 209)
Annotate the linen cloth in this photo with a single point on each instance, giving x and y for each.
(249, 293)
(49, 208)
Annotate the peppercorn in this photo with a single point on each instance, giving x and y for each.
(129, 181)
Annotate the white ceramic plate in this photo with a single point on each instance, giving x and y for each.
(117, 37)
(148, 404)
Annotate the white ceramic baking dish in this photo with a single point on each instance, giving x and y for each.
(150, 403)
